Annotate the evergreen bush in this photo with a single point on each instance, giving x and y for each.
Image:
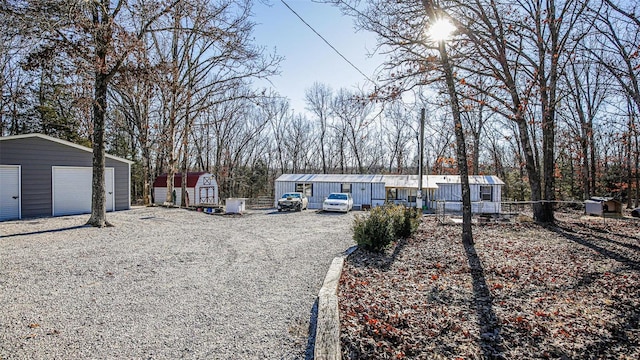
(383, 225)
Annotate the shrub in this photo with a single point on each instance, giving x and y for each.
(411, 221)
(383, 225)
(372, 231)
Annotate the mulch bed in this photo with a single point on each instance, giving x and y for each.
(567, 291)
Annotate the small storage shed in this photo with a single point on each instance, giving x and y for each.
(202, 189)
(44, 176)
(603, 206)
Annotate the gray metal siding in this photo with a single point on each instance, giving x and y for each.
(121, 183)
(378, 193)
(452, 193)
(38, 155)
(320, 191)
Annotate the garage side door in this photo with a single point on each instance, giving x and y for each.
(10, 196)
(72, 190)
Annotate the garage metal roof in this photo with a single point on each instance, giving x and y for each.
(63, 142)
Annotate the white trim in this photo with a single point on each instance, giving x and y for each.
(63, 142)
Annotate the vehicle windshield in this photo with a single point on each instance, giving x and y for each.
(290, 196)
(337, 197)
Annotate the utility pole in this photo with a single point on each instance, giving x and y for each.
(420, 161)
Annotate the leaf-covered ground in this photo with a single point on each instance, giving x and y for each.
(568, 291)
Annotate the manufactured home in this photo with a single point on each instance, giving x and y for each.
(202, 189)
(44, 176)
(375, 190)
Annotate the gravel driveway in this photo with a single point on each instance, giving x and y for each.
(165, 284)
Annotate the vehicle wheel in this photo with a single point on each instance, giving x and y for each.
(299, 207)
(279, 210)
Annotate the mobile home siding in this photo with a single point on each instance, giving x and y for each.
(38, 155)
(372, 189)
(451, 194)
(362, 192)
(448, 192)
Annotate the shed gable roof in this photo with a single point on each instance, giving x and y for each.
(63, 142)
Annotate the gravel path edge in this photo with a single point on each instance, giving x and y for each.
(327, 341)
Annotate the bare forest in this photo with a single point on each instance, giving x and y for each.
(548, 93)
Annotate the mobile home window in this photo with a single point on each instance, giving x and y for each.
(345, 188)
(392, 194)
(306, 189)
(486, 193)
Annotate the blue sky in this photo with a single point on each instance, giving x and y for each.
(307, 57)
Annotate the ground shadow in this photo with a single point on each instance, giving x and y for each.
(377, 260)
(606, 236)
(619, 337)
(45, 231)
(490, 329)
(311, 340)
(571, 235)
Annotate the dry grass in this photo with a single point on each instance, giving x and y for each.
(569, 291)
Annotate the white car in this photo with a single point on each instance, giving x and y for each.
(338, 202)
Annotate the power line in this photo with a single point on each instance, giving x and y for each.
(327, 42)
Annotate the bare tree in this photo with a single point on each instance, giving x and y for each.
(98, 35)
(207, 52)
(354, 114)
(618, 33)
(318, 99)
(397, 133)
(587, 86)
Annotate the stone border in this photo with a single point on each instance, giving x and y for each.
(327, 341)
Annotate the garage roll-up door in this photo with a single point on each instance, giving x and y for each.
(72, 190)
(10, 197)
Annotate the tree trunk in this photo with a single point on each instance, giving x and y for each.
(102, 40)
(98, 207)
(548, 85)
(628, 164)
(461, 151)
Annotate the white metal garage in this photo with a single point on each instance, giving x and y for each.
(72, 189)
(10, 192)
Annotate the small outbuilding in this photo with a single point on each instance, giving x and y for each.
(44, 176)
(603, 206)
(202, 189)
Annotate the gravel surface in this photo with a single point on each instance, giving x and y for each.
(165, 284)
